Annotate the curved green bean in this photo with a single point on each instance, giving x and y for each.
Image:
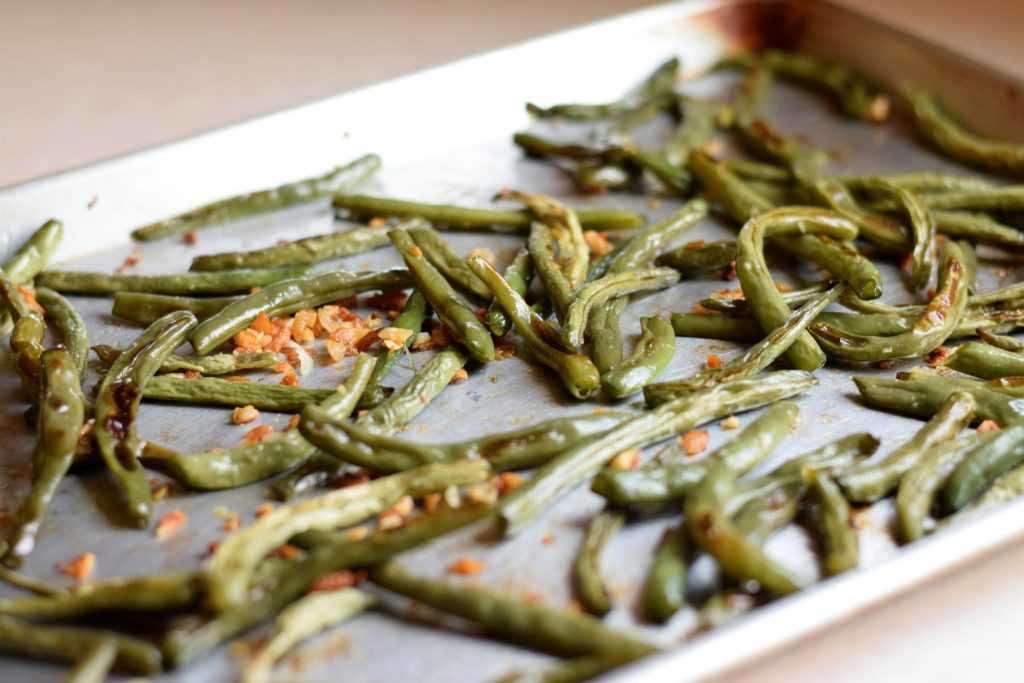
(925, 396)
(609, 287)
(264, 201)
(30, 259)
(117, 404)
(586, 571)
(577, 372)
(26, 338)
(413, 314)
(979, 468)
(518, 276)
(406, 403)
(652, 354)
(831, 513)
(69, 324)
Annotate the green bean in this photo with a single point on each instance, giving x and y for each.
(215, 391)
(660, 81)
(760, 517)
(985, 361)
(532, 624)
(117, 404)
(979, 468)
(144, 308)
(304, 619)
(581, 462)
(526, 447)
(919, 181)
(566, 671)
(440, 255)
(13, 578)
(871, 481)
(288, 296)
(707, 326)
(156, 593)
(541, 246)
(518, 276)
(1006, 198)
(95, 665)
(652, 486)
(699, 259)
(753, 170)
(715, 532)
(979, 228)
(919, 486)
(652, 354)
(186, 642)
(831, 513)
(216, 364)
(61, 416)
(30, 258)
(586, 571)
(946, 134)
(724, 608)
(302, 252)
(405, 404)
(537, 146)
(577, 372)
(650, 241)
(924, 397)
(72, 644)
(451, 309)
(937, 322)
(220, 282)
(607, 288)
(856, 97)
(443, 216)
(739, 307)
(922, 258)
(26, 338)
(751, 93)
(69, 324)
(672, 477)
(841, 259)
(413, 314)
(316, 471)
(753, 361)
(237, 556)
(1000, 341)
(664, 591)
(574, 253)
(1006, 488)
(606, 335)
(233, 208)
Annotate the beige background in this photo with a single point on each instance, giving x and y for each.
(82, 81)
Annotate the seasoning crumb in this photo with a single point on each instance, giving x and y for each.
(293, 422)
(466, 566)
(264, 509)
(357, 533)
(415, 251)
(80, 567)
(598, 243)
(938, 356)
(626, 460)
(257, 434)
(694, 441)
(393, 338)
(431, 502)
(244, 414)
(170, 524)
(714, 362)
(460, 376)
(333, 581)
(731, 422)
(190, 237)
(509, 481)
(988, 426)
(548, 538)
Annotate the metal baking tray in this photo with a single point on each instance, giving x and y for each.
(445, 135)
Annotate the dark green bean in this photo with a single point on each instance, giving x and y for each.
(586, 571)
(73, 643)
(94, 666)
(61, 416)
(450, 308)
(413, 314)
(871, 481)
(581, 462)
(606, 335)
(30, 259)
(541, 245)
(69, 324)
(925, 396)
(305, 251)
(26, 338)
(532, 624)
(919, 181)
(155, 593)
(979, 468)
(143, 308)
(652, 354)
(985, 361)
(938, 321)
(318, 470)
(220, 282)
(288, 296)
(577, 372)
(946, 134)
(1001, 341)
(117, 404)
(664, 591)
(443, 216)
(251, 204)
(518, 276)
(451, 265)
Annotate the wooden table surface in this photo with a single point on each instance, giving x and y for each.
(84, 81)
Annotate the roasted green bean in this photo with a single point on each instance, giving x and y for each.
(652, 354)
(979, 468)
(925, 396)
(664, 591)
(605, 330)
(156, 593)
(30, 259)
(609, 287)
(986, 361)
(413, 314)
(586, 569)
(700, 258)
(215, 391)
(143, 308)
(73, 643)
(117, 404)
(220, 282)
(216, 364)
(69, 324)
(443, 216)
(26, 337)
(440, 255)
(402, 406)
(94, 666)
(264, 201)
(577, 372)
(518, 276)
(831, 514)
(61, 416)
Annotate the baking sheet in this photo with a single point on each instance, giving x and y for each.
(445, 135)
